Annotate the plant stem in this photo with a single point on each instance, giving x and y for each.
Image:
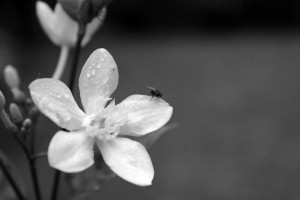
(30, 151)
(34, 177)
(80, 35)
(62, 61)
(32, 167)
(81, 32)
(10, 179)
(55, 184)
(40, 155)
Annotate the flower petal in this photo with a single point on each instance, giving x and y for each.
(61, 28)
(93, 26)
(55, 100)
(71, 152)
(98, 80)
(65, 27)
(46, 18)
(128, 159)
(142, 114)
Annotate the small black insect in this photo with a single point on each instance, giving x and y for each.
(155, 93)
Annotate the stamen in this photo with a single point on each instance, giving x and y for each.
(103, 124)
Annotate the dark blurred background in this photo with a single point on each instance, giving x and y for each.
(230, 69)
(18, 17)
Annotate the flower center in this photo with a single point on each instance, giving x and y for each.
(102, 129)
(103, 124)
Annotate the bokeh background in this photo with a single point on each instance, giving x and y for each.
(230, 69)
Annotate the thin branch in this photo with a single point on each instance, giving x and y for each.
(55, 184)
(62, 61)
(10, 179)
(81, 32)
(32, 167)
(34, 177)
(40, 155)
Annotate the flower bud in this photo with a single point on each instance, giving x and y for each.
(27, 123)
(4, 117)
(61, 28)
(7, 123)
(18, 95)
(71, 7)
(15, 113)
(33, 112)
(83, 11)
(11, 77)
(2, 101)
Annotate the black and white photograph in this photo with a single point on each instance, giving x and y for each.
(150, 100)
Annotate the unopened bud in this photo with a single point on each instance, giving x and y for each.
(83, 11)
(15, 113)
(27, 123)
(2, 101)
(33, 112)
(11, 77)
(18, 95)
(71, 7)
(28, 103)
(98, 5)
(7, 123)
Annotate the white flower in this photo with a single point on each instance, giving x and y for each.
(137, 115)
(61, 28)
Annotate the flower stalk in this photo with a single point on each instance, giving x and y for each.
(40, 155)
(34, 176)
(57, 175)
(10, 178)
(80, 35)
(62, 61)
(15, 127)
(32, 165)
